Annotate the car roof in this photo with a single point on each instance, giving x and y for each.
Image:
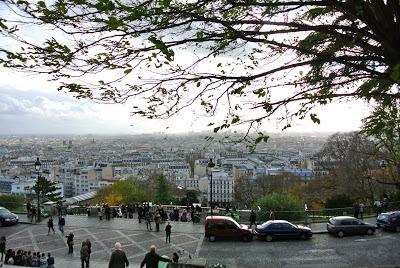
(225, 218)
(277, 221)
(343, 218)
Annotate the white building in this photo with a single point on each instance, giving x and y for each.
(24, 187)
(223, 186)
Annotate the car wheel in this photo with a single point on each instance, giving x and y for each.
(398, 229)
(303, 237)
(370, 232)
(246, 238)
(340, 234)
(212, 238)
(268, 238)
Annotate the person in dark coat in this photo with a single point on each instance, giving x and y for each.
(168, 228)
(70, 242)
(2, 247)
(50, 224)
(61, 224)
(253, 218)
(84, 255)
(118, 258)
(89, 245)
(152, 258)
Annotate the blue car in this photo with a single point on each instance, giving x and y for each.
(280, 229)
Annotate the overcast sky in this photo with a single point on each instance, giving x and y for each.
(30, 105)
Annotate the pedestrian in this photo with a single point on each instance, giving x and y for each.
(175, 257)
(84, 255)
(253, 218)
(33, 213)
(168, 228)
(100, 213)
(28, 208)
(50, 224)
(61, 224)
(70, 242)
(50, 261)
(157, 220)
(152, 258)
(147, 217)
(2, 247)
(271, 215)
(361, 210)
(356, 206)
(89, 245)
(108, 212)
(118, 257)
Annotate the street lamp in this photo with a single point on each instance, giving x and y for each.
(211, 165)
(38, 165)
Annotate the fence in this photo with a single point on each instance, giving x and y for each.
(304, 216)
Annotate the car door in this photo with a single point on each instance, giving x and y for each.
(231, 230)
(276, 230)
(288, 230)
(346, 226)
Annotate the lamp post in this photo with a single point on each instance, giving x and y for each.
(211, 165)
(38, 165)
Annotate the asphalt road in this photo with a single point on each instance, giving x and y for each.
(324, 250)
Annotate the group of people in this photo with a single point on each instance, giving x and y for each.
(118, 258)
(25, 258)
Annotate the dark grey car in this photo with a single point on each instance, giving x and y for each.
(344, 225)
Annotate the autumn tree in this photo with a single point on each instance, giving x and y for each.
(128, 191)
(246, 60)
(386, 132)
(244, 192)
(163, 194)
(351, 157)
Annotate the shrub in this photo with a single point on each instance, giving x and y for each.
(284, 206)
(339, 201)
(11, 202)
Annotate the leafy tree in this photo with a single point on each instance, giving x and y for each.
(122, 192)
(349, 157)
(339, 201)
(244, 193)
(386, 132)
(244, 52)
(285, 206)
(191, 197)
(46, 189)
(163, 193)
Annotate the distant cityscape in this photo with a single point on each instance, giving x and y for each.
(83, 164)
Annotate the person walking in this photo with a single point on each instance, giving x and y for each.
(2, 247)
(33, 213)
(28, 208)
(70, 242)
(168, 228)
(100, 213)
(61, 224)
(152, 258)
(271, 215)
(157, 220)
(356, 209)
(84, 255)
(147, 217)
(118, 257)
(89, 245)
(50, 224)
(253, 218)
(361, 210)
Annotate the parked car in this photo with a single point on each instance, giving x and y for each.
(344, 225)
(389, 221)
(222, 227)
(7, 217)
(280, 229)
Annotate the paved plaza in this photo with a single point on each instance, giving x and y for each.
(323, 250)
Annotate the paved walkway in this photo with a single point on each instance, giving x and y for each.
(186, 238)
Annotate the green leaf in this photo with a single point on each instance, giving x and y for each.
(127, 71)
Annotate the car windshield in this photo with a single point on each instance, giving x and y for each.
(383, 217)
(4, 211)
